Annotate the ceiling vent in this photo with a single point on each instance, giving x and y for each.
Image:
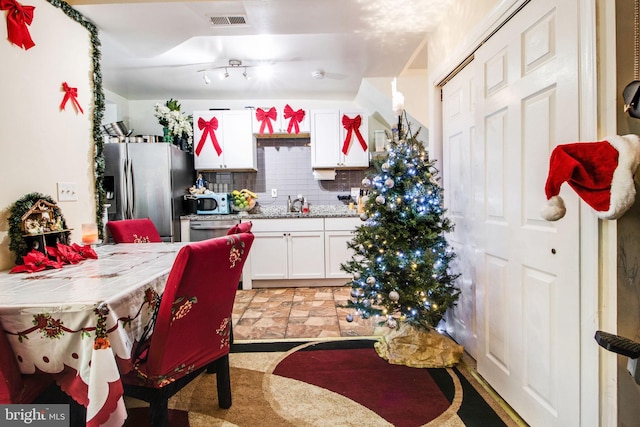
(227, 20)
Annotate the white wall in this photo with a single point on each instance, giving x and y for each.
(39, 144)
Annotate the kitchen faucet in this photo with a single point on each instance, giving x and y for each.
(295, 205)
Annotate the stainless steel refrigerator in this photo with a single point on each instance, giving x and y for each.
(148, 180)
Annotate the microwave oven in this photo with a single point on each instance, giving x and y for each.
(212, 204)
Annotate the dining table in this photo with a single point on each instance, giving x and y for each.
(82, 322)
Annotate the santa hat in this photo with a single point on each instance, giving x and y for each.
(601, 173)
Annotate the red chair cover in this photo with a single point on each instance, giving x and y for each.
(15, 387)
(193, 325)
(140, 230)
(243, 227)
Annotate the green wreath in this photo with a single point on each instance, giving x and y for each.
(17, 243)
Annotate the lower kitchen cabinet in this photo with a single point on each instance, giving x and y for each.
(299, 248)
(287, 249)
(338, 232)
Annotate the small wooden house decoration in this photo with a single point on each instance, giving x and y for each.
(41, 218)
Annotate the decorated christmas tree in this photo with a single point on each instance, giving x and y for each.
(400, 267)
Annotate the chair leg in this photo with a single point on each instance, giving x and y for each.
(159, 412)
(223, 381)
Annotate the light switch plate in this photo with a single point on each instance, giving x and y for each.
(274, 192)
(67, 192)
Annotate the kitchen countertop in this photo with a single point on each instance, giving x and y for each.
(267, 212)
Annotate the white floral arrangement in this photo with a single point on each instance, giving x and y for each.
(178, 123)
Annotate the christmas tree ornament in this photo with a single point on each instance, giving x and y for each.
(394, 296)
(371, 280)
(601, 173)
(385, 167)
(349, 318)
(380, 200)
(389, 183)
(355, 293)
(392, 323)
(357, 275)
(366, 183)
(363, 216)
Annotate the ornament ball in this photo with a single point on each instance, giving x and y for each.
(389, 183)
(392, 323)
(394, 296)
(356, 275)
(385, 167)
(371, 280)
(380, 200)
(366, 183)
(349, 318)
(363, 216)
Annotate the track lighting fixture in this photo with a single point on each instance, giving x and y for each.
(224, 70)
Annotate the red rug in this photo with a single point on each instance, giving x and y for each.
(403, 396)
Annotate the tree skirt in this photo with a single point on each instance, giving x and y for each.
(418, 348)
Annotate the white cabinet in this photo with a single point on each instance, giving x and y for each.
(332, 145)
(223, 140)
(287, 249)
(281, 123)
(338, 232)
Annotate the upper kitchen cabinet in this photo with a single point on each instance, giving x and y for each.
(287, 118)
(223, 140)
(339, 139)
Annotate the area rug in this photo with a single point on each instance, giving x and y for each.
(329, 383)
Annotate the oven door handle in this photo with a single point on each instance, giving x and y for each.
(201, 226)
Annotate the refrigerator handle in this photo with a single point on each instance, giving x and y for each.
(128, 211)
(124, 190)
(132, 187)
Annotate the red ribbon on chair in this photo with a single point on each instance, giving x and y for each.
(265, 117)
(70, 93)
(208, 128)
(295, 118)
(352, 125)
(18, 18)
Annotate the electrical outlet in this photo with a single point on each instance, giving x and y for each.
(274, 192)
(67, 192)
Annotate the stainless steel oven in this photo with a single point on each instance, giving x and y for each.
(208, 229)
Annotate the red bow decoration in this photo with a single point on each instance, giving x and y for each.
(18, 18)
(70, 93)
(295, 116)
(208, 128)
(265, 117)
(352, 125)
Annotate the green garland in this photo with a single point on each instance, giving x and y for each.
(19, 208)
(98, 108)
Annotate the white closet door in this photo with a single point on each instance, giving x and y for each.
(520, 315)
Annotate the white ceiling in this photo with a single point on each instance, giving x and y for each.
(154, 49)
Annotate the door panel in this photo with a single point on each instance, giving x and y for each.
(526, 269)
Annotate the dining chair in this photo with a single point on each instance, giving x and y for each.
(14, 386)
(243, 227)
(192, 329)
(139, 230)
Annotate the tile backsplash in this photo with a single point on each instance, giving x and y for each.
(285, 164)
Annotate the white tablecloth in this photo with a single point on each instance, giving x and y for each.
(82, 321)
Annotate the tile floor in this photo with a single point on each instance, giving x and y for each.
(290, 313)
